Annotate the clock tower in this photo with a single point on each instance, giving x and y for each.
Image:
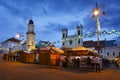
(30, 41)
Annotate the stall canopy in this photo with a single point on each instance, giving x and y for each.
(83, 51)
(58, 50)
(53, 49)
(79, 49)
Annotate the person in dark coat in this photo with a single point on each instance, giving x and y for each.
(88, 61)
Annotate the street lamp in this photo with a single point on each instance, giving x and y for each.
(96, 14)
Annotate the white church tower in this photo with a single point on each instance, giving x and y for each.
(80, 35)
(72, 40)
(30, 42)
(64, 33)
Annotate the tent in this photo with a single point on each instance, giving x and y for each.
(83, 51)
(53, 49)
(80, 48)
(59, 51)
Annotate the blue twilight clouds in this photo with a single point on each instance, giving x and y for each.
(50, 16)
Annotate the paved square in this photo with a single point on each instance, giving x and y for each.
(22, 71)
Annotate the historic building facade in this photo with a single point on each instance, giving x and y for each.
(109, 48)
(10, 44)
(72, 40)
(30, 36)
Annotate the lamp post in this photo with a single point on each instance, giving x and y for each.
(96, 15)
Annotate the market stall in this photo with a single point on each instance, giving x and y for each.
(50, 55)
(79, 56)
(27, 57)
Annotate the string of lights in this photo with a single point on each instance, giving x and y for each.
(86, 35)
(103, 32)
(92, 35)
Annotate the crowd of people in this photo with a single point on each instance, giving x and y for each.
(93, 63)
(110, 63)
(89, 62)
(13, 57)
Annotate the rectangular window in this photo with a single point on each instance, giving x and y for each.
(101, 51)
(63, 44)
(70, 42)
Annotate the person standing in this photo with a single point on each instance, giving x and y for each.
(88, 61)
(78, 62)
(93, 63)
(36, 58)
(97, 61)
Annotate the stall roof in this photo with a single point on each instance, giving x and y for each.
(53, 48)
(82, 49)
(58, 50)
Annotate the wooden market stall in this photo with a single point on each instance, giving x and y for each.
(27, 57)
(76, 54)
(50, 55)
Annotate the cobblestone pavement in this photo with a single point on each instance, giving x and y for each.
(22, 71)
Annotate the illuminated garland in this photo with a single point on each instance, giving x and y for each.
(103, 32)
(90, 35)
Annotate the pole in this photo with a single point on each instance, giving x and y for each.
(98, 32)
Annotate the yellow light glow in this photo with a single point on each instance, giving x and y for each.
(17, 35)
(96, 12)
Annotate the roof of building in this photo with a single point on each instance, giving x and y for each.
(110, 43)
(71, 36)
(103, 43)
(12, 40)
(117, 41)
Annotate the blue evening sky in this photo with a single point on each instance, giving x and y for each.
(50, 16)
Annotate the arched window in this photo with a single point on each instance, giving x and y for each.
(78, 32)
(108, 54)
(113, 54)
(63, 44)
(78, 41)
(63, 35)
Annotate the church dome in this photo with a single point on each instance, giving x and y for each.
(31, 21)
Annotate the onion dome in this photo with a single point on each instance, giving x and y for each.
(31, 21)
